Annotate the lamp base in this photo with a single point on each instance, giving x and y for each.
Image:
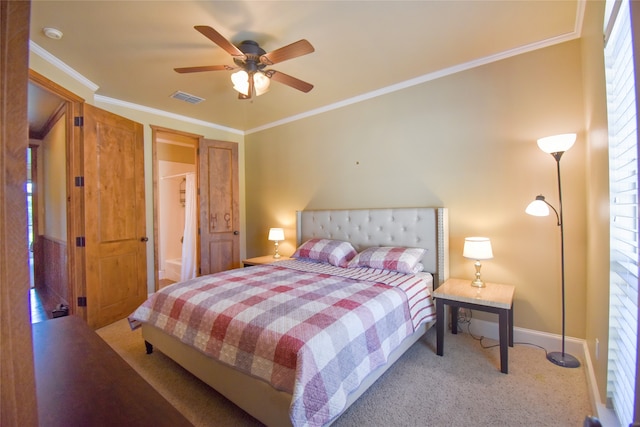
(478, 283)
(276, 254)
(563, 359)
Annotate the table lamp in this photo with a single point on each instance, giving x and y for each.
(276, 235)
(478, 248)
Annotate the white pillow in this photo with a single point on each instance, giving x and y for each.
(335, 252)
(403, 260)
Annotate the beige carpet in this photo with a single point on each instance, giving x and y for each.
(464, 387)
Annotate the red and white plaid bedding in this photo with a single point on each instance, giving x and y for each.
(312, 330)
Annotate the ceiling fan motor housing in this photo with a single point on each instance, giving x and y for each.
(253, 52)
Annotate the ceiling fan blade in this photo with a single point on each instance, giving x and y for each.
(289, 81)
(299, 48)
(219, 39)
(204, 68)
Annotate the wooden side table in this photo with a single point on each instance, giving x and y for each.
(267, 259)
(494, 298)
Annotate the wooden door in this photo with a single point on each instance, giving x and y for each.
(219, 207)
(115, 233)
(18, 406)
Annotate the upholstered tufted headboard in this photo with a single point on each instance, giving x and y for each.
(411, 227)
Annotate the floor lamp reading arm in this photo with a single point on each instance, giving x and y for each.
(542, 199)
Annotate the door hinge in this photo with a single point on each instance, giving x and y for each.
(80, 241)
(82, 301)
(198, 231)
(78, 121)
(79, 181)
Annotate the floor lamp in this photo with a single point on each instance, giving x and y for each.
(556, 146)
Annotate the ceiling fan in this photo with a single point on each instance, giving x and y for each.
(252, 60)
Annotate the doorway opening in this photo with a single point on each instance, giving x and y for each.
(39, 301)
(30, 211)
(175, 162)
(51, 161)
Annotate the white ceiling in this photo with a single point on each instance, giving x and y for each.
(130, 48)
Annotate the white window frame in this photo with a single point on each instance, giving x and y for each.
(624, 227)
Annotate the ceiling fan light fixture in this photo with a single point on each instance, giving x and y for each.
(261, 83)
(240, 80)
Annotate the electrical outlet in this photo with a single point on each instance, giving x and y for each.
(597, 348)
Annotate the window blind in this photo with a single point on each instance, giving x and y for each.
(623, 192)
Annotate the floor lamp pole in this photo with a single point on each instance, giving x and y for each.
(561, 358)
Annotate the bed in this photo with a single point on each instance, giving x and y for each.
(273, 392)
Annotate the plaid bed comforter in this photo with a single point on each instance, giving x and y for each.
(312, 330)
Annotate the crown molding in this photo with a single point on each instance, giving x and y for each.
(157, 112)
(422, 79)
(35, 48)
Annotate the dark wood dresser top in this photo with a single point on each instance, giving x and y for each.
(81, 381)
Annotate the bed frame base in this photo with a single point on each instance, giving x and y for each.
(254, 396)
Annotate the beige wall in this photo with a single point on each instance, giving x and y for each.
(466, 142)
(40, 178)
(53, 184)
(176, 153)
(597, 265)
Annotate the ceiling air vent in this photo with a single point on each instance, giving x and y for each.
(183, 96)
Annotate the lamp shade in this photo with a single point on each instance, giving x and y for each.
(477, 248)
(276, 234)
(538, 207)
(240, 82)
(557, 143)
(261, 83)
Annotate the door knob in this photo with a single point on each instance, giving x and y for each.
(144, 239)
(236, 232)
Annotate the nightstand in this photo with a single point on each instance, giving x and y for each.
(267, 259)
(494, 298)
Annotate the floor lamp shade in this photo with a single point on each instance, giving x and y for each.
(539, 207)
(557, 143)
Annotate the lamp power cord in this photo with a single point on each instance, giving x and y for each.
(464, 320)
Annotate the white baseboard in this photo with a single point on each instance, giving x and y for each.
(553, 342)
